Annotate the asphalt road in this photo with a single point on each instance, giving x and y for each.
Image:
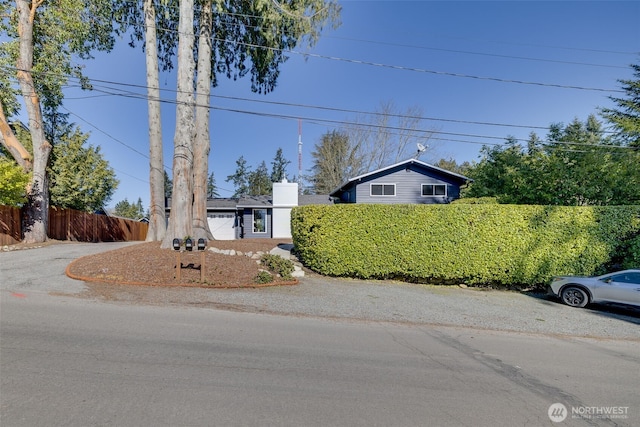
(75, 361)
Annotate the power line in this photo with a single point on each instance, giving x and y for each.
(428, 71)
(318, 107)
(136, 95)
(361, 125)
(466, 52)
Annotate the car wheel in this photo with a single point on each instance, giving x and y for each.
(574, 296)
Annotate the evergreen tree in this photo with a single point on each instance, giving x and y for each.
(334, 161)
(240, 178)
(212, 188)
(168, 185)
(125, 209)
(626, 117)
(259, 182)
(80, 176)
(279, 167)
(577, 165)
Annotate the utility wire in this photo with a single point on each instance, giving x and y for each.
(361, 125)
(299, 105)
(136, 95)
(466, 52)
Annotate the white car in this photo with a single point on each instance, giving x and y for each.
(620, 287)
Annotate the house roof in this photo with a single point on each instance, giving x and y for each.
(220, 203)
(232, 204)
(314, 199)
(255, 202)
(405, 163)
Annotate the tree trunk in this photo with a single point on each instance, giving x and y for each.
(202, 135)
(37, 207)
(157, 220)
(181, 217)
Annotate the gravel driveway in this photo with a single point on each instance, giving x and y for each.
(334, 298)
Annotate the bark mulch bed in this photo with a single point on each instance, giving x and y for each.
(148, 264)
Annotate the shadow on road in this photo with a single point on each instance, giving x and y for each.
(627, 313)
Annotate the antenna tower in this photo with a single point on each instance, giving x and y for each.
(300, 155)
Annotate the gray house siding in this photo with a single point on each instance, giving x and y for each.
(408, 182)
(247, 224)
(408, 189)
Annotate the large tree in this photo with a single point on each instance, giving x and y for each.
(386, 136)
(181, 220)
(212, 187)
(81, 178)
(626, 117)
(45, 38)
(125, 209)
(154, 22)
(334, 161)
(240, 178)
(577, 165)
(244, 38)
(279, 166)
(201, 142)
(259, 182)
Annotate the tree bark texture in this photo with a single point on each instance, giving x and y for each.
(37, 208)
(157, 219)
(202, 142)
(181, 217)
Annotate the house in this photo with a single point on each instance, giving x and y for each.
(410, 181)
(251, 217)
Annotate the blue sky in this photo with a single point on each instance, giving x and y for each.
(457, 61)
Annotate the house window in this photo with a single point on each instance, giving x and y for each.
(434, 190)
(383, 189)
(259, 220)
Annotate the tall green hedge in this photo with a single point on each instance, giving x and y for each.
(476, 244)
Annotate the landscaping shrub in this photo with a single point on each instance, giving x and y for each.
(475, 244)
(277, 264)
(264, 277)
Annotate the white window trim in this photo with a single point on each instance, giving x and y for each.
(434, 195)
(383, 184)
(253, 221)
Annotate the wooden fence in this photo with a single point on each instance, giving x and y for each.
(10, 229)
(69, 224)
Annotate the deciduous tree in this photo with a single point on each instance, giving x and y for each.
(386, 136)
(13, 183)
(45, 38)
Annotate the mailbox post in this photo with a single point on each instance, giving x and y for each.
(188, 245)
(201, 245)
(176, 247)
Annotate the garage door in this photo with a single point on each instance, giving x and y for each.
(222, 226)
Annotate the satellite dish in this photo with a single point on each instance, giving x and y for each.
(421, 149)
